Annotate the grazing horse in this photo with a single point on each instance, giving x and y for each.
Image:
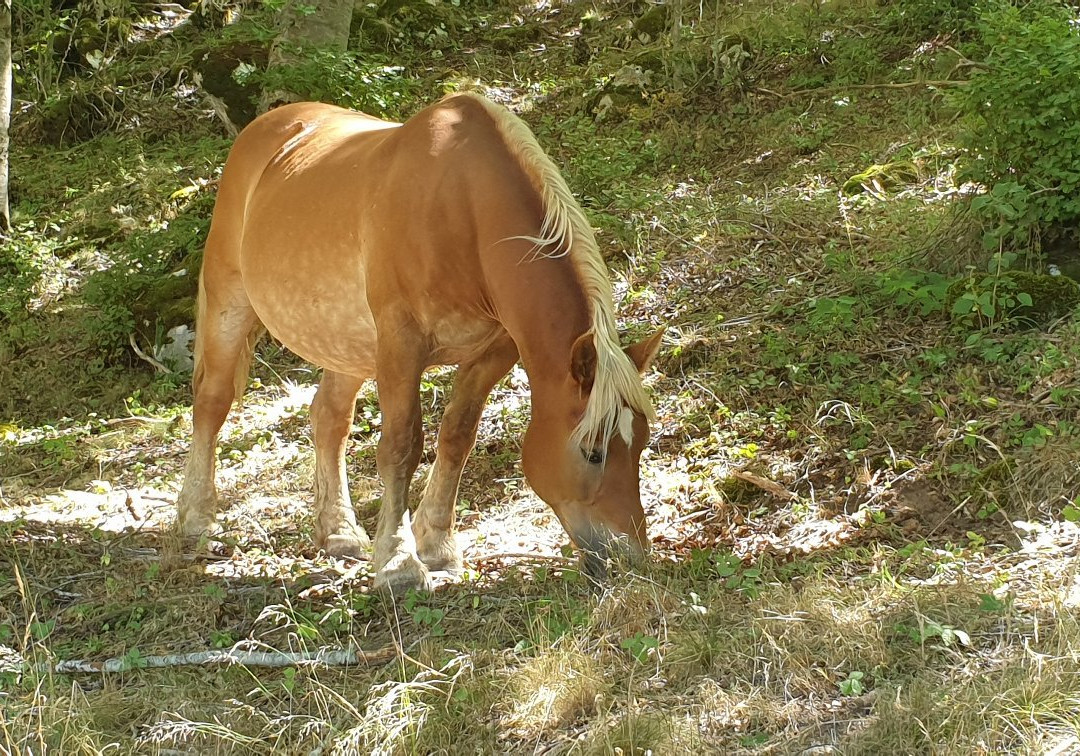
(377, 250)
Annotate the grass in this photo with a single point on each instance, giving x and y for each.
(906, 581)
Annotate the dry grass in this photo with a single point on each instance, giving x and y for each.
(553, 690)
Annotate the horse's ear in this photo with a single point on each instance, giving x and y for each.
(583, 361)
(644, 352)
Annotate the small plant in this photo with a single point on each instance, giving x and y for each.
(134, 659)
(429, 618)
(1035, 437)
(222, 639)
(754, 740)
(975, 541)
(42, 630)
(991, 604)
(853, 685)
(928, 630)
(424, 616)
(288, 680)
(833, 312)
(640, 646)
(214, 591)
(746, 580)
(985, 301)
(910, 289)
(1071, 512)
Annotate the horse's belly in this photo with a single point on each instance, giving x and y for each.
(327, 321)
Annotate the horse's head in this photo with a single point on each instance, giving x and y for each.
(591, 479)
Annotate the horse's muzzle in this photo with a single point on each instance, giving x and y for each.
(603, 552)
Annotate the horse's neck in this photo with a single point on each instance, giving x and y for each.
(541, 303)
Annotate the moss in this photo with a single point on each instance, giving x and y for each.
(79, 116)
(881, 176)
(652, 22)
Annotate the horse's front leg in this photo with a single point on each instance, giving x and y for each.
(336, 529)
(401, 354)
(434, 526)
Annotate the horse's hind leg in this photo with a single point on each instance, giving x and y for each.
(336, 529)
(225, 334)
(434, 526)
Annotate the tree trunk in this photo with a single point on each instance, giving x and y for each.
(5, 111)
(303, 29)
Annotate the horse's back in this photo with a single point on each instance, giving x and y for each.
(324, 214)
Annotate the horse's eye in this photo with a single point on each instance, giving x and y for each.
(593, 456)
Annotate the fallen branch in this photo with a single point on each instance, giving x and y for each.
(557, 559)
(842, 87)
(765, 484)
(144, 356)
(329, 657)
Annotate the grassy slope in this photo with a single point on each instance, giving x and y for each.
(888, 603)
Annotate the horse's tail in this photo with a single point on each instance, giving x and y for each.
(243, 358)
(243, 365)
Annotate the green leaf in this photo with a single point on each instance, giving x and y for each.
(989, 603)
(42, 630)
(963, 305)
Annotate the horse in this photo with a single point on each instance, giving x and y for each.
(376, 249)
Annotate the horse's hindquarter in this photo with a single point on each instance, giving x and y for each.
(301, 257)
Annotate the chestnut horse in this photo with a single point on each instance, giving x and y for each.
(376, 250)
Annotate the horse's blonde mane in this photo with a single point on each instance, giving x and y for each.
(567, 231)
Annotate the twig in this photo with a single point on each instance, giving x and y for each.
(559, 559)
(144, 356)
(898, 85)
(966, 62)
(331, 657)
(765, 484)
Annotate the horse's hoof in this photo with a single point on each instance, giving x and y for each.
(353, 544)
(442, 558)
(403, 573)
(196, 525)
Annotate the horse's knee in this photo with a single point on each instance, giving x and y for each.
(400, 448)
(329, 421)
(212, 406)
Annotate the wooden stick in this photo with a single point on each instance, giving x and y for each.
(765, 484)
(330, 657)
(866, 87)
(144, 356)
(557, 559)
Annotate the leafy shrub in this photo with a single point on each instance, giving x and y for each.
(928, 18)
(1023, 127)
(152, 285)
(373, 86)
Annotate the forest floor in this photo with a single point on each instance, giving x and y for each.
(863, 511)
